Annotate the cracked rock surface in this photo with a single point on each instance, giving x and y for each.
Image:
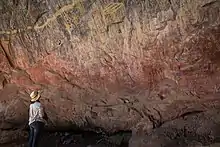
(107, 65)
(193, 130)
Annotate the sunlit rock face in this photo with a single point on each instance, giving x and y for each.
(109, 65)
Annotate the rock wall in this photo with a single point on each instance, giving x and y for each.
(109, 65)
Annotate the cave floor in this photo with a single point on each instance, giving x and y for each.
(87, 139)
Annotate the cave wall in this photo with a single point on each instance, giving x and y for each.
(110, 65)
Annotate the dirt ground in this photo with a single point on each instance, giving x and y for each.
(70, 139)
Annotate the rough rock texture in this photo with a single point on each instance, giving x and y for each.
(198, 130)
(109, 65)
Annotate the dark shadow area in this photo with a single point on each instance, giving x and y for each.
(78, 138)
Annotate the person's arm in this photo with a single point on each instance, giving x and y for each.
(43, 114)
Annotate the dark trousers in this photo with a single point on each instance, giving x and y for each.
(36, 129)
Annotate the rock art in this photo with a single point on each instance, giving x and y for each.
(109, 66)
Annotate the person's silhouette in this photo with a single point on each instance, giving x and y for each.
(37, 118)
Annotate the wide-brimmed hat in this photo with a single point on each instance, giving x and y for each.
(35, 95)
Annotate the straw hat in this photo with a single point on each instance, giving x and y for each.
(35, 95)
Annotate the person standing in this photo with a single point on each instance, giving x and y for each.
(37, 119)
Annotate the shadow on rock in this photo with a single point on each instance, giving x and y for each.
(196, 130)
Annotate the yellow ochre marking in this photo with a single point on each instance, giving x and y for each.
(49, 20)
(108, 10)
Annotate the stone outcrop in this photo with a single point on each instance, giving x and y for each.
(194, 130)
(109, 66)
